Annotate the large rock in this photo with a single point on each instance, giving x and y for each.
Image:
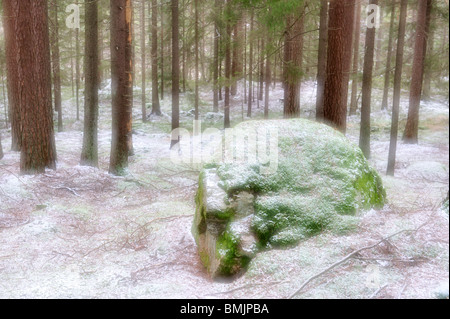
(321, 182)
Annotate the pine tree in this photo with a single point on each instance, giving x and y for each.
(89, 153)
(322, 58)
(38, 150)
(122, 81)
(411, 134)
(397, 88)
(340, 32)
(156, 108)
(387, 75)
(56, 67)
(175, 71)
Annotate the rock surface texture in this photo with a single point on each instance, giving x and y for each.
(321, 183)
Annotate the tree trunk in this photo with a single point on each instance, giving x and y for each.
(412, 125)
(364, 139)
(427, 76)
(216, 57)
(56, 64)
(34, 73)
(293, 65)
(122, 81)
(397, 88)
(175, 71)
(322, 58)
(77, 71)
(143, 64)
(162, 50)
(355, 73)
(261, 70)
(237, 67)
(387, 75)
(339, 60)
(250, 67)
(89, 154)
(196, 54)
(227, 123)
(268, 80)
(9, 21)
(156, 108)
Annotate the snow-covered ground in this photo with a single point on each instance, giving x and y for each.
(81, 233)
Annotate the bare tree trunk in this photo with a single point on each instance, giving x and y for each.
(268, 80)
(293, 65)
(9, 21)
(89, 154)
(411, 135)
(196, 48)
(227, 123)
(364, 139)
(56, 64)
(156, 108)
(322, 59)
(237, 67)
(397, 88)
(175, 71)
(355, 73)
(77, 71)
(122, 80)
(250, 67)
(162, 50)
(143, 64)
(216, 57)
(387, 75)
(339, 62)
(38, 150)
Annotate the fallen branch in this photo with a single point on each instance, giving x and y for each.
(353, 254)
(377, 292)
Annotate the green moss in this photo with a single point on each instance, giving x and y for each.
(227, 251)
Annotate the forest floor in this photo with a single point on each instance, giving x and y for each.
(79, 232)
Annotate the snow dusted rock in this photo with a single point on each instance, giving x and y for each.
(321, 182)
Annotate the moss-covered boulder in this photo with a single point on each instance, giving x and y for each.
(321, 182)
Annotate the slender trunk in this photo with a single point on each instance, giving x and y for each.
(397, 89)
(236, 67)
(216, 58)
(175, 72)
(227, 123)
(268, 82)
(196, 54)
(77, 71)
(9, 20)
(56, 64)
(89, 154)
(250, 67)
(156, 108)
(122, 80)
(245, 64)
(143, 63)
(261, 70)
(355, 73)
(364, 140)
(411, 134)
(339, 61)
(322, 58)
(426, 93)
(387, 75)
(162, 50)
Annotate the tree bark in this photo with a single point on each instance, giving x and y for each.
(268, 81)
(293, 64)
(364, 139)
(227, 123)
(156, 108)
(9, 21)
(237, 66)
(355, 73)
(38, 150)
(250, 67)
(89, 153)
(338, 65)
(122, 81)
(387, 75)
(175, 71)
(216, 57)
(143, 64)
(196, 54)
(397, 89)
(411, 135)
(56, 68)
(322, 58)
(77, 71)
